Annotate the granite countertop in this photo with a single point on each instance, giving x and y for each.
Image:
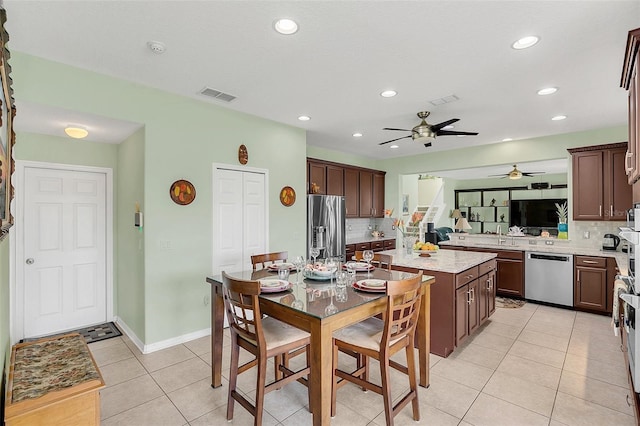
(537, 244)
(449, 261)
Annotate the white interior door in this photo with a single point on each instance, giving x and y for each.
(64, 264)
(239, 218)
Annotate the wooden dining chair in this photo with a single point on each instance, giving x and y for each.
(380, 339)
(380, 260)
(263, 260)
(264, 338)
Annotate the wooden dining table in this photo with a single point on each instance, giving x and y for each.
(311, 315)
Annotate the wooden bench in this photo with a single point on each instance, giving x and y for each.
(53, 381)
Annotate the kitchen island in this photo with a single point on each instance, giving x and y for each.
(463, 296)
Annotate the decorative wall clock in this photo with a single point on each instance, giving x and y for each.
(182, 192)
(287, 196)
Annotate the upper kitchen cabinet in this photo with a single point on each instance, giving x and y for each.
(326, 179)
(371, 194)
(600, 186)
(363, 189)
(631, 81)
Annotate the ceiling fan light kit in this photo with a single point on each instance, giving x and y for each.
(517, 174)
(426, 133)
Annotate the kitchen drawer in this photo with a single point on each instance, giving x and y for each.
(377, 245)
(486, 267)
(510, 254)
(466, 276)
(363, 246)
(350, 251)
(389, 244)
(591, 262)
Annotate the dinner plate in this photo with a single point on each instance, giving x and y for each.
(372, 285)
(274, 285)
(358, 266)
(317, 275)
(275, 266)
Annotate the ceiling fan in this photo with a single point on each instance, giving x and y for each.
(425, 132)
(517, 174)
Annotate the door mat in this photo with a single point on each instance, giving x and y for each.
(505, 302)
(95, 333)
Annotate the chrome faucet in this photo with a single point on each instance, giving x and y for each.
(499, 232)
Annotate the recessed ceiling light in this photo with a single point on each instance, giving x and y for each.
(76, 132)
(525, 42)
(304, 118)
(285, 26)
(547, 91)
(393, 146)
(506, 139)
(559, 117)
(357, 135)
(156, 47)
(388, 93)
(450, 126)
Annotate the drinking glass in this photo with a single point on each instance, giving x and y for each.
(283, 273)
(314, 252)
(367, 255)
(332, 266)
(330, 309)
(298, 303)
(351, 270)
(342, 278)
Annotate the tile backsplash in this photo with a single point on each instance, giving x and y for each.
(357, 228)
(595, 230)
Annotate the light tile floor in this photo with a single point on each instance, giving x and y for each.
(534, 365)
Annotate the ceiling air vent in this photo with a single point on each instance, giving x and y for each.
(216, 94)
(445, 100)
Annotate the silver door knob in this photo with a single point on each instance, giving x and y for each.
(30, 261)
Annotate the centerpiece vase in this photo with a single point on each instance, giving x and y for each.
(563, 231)
(408, 244)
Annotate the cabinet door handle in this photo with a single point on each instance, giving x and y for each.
(627, 157)
(489, 284)
(611, 210)
(588, 261)
(473, 294)
(578, 278)
(600, 211)
(468, 297)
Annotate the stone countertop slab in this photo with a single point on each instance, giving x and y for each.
(449, 261)
(356, 240)
(536, 244)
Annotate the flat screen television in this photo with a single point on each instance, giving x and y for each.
(534, 213)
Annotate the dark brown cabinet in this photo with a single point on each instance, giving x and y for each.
(487, 290)
(467, 304)
(352, 192)
(593, 283)
(363, 189)
(590, 283)
(631, 81)
(600, 187)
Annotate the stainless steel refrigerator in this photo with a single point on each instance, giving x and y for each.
(326, 225)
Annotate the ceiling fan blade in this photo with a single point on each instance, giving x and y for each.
(439, 126)
(454, 132)
(393, 140)
(530, 174)
(391, 128)
(503, 175)
(427, 145)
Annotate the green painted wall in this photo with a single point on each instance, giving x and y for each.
(130, 294)
(183, 138)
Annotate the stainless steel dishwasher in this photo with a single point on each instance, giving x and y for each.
(548, 277)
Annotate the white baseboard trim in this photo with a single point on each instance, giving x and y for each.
(153, 347)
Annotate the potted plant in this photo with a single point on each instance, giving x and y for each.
(563, 227)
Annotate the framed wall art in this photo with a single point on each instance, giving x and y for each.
(7, 135)
(182, 192)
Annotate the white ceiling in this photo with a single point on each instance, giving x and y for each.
(344, 55)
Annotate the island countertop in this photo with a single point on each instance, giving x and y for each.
(449, 261)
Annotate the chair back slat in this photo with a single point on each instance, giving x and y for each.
(243, 308)
(380, 260)
(403, 308)
(264, 259)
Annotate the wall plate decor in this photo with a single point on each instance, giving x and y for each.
(182, 192)
(287, 196)
(243, 154)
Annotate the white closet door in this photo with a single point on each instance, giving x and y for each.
(239, 219)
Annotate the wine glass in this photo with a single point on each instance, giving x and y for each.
(298, 262)
(314, 252)
(367, 255)
(330, 309)
(298, 303)
(332, 267)
(342, 278)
